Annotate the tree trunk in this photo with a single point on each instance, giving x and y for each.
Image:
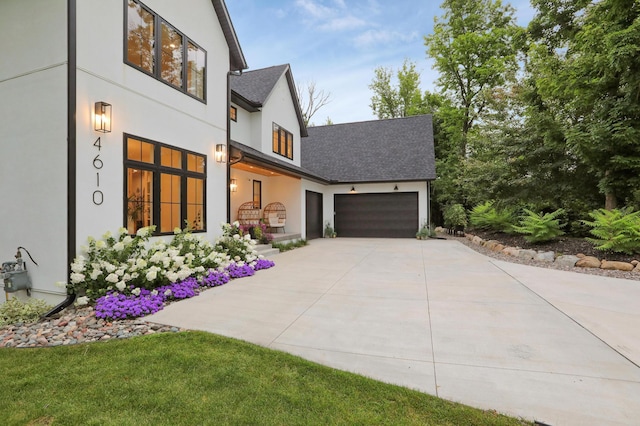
(610, 201)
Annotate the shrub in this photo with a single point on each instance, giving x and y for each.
(13, 311)
(488, 218)
(124, 262)
(425, 231)
(455, 216)
(540, 227)
(615, 230)
(290, 245)
(328, 230)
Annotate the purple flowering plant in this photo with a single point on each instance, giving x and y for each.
(128, 276)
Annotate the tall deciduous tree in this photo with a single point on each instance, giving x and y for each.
(474, 45)
(595, 87)
(402, 98)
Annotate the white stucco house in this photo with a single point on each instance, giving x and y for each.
(129, 113)
(162, 68)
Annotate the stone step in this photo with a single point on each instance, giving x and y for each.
(266, 250)
(285, 238)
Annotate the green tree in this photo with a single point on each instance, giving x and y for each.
(402, 99)
(474, 45)
(593, 87)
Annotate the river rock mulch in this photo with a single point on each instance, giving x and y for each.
(73, 326)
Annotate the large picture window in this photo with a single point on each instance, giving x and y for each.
(161, 53)
(164, 186)
(282, 141)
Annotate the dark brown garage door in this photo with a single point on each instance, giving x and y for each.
(313, 222)
(389, 215)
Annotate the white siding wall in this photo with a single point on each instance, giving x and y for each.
(33, 139)
(279, 109)
(145, 107)
(241, 129)
(33, 126)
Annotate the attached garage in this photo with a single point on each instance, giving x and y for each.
(382, 215)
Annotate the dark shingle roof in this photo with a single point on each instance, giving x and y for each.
(399, 149)
(236, 57)
(252, 88)
(255, 86)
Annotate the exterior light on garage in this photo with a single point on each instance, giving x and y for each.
(395, 188)
(221, 153)
(353, 189)
(102, 118)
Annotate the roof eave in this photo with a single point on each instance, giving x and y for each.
(245, 103)
(237, 62)
(296, 102)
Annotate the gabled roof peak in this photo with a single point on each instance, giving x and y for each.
(252, 88)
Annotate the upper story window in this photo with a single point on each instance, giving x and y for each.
(158, 49)
(282, 141)
(233, 113)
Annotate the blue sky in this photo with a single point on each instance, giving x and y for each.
(339, 43)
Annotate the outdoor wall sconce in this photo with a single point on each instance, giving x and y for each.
(395, 188)
(233, 185)
(102, 118)
(353, 189)
(221, 153)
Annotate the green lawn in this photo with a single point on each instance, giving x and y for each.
(197, 378)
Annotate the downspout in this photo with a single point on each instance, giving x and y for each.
(71, 149)
(228, 163)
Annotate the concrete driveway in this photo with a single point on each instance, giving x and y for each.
(558, 347)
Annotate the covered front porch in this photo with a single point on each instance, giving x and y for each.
(265, 184)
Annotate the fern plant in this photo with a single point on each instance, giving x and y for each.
(539, 227)
(487, 217)
(615, 230)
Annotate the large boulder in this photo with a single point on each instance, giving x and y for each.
(511, 251)
(588, 262)
(477, 240)
(567, 260)
(527, 254)
(616, 266)
(545, 256)
(491, 244)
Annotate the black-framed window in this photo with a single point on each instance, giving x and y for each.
(257, 194)
(282, 141)
(155, 47)
(164, 186)
(233, 113)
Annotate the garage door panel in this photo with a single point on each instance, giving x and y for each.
(386, 215)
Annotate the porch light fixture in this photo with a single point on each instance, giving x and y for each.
(233, 185)
(395, 188)
(102, 118)
(221, 153)
(353, 189)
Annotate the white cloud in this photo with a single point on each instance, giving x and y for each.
(315, 9)
(376, 37)
(344, 23)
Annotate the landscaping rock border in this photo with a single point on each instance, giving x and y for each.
(73, 326)
(575, 262)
